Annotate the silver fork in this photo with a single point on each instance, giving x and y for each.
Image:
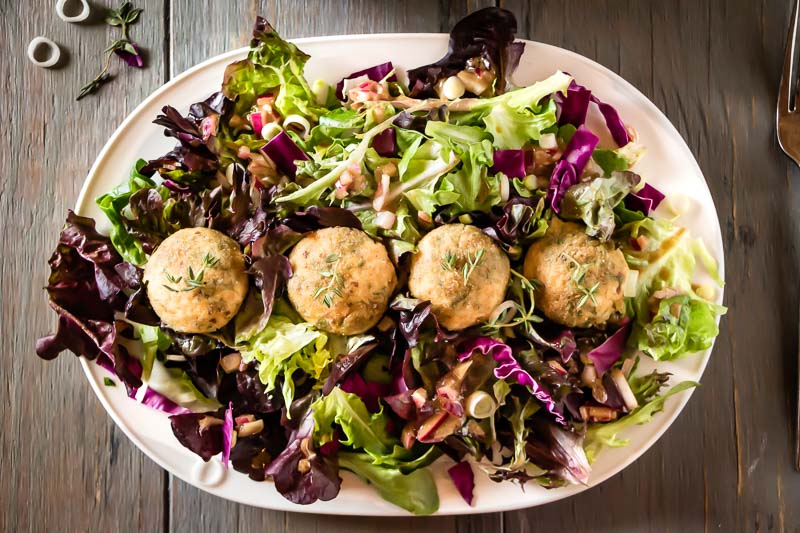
(788, 126)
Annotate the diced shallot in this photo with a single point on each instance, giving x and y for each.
(385, 219)
(629, 286)
(628, 398)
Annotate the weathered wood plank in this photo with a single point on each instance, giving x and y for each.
(65, 466)
(227, 26)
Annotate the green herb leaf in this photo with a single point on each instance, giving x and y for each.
(108, 382)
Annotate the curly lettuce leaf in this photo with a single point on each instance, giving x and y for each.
(362, 429)
(594, 201)
(282, 348)
(272, 66)
(666, 258)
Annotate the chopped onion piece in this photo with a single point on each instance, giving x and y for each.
(548, 141)
(175, 357)
(589, 375)
(629, 287)
(628, 398)
(480, 405)
(500, 310)
(505, 189)
(349, 83)
(270, 131)
(297, 123)
(627, 366)
(385, 219)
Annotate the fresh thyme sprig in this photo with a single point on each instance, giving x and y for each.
(471, 263)
(335, 281)
(125, 48)
(192, 281)
(450, 261)
(523, 312)
(578, 277)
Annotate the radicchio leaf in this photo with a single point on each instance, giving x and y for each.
(559, 451)
(464, 480)
(509, 369)
(645, 200)
(284, 152)
(568, 170)
(608, 353)
(160, 402)
(346, 364)
(512, 163)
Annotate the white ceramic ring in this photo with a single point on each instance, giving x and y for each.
(54, 52)
(80, 17)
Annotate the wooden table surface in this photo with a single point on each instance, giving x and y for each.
(711, 66)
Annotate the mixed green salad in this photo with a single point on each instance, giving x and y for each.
(371, 275)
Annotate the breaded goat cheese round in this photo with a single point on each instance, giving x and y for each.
(462, 272)
(196, 280)
(581, 278)
(341, 280)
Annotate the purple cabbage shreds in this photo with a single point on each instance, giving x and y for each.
(564, 343)
(369, 391)
(317, 479)
(558, 451)
(613, 122)
(376, 73)
(483, 40)
(385, 143)
(573, 107)
(464, 480)
(646, 200)
(315, 218)
(284, 152)
(608, 353)
(227, 434)
(85, 289)
(205, 440)
(509, 369)
(133, 59)
(509, 162)
(568, 170)
(347, 364)
(160, 402)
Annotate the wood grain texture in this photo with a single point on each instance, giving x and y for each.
(65, 466)
(712, 67)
